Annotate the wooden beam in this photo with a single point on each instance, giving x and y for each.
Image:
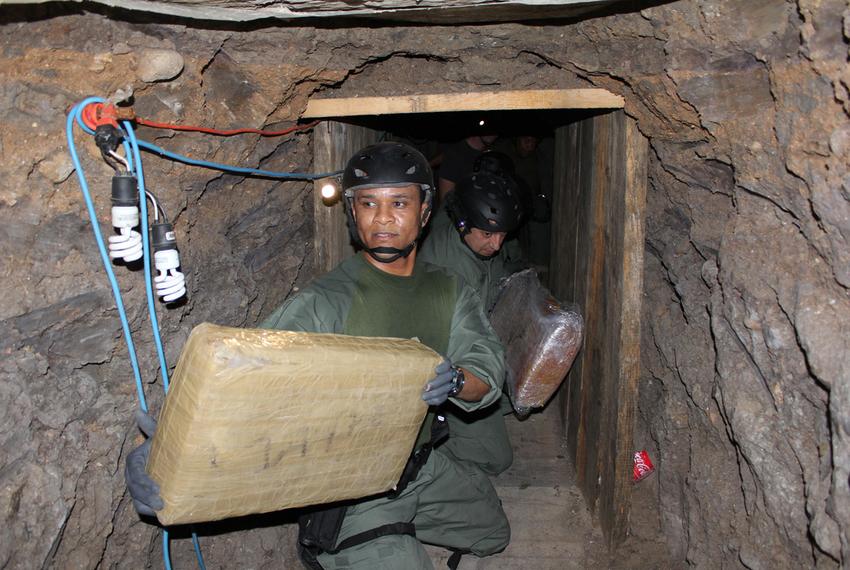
(631, 270)
(333, 145)
(597, 261)
(452, 102)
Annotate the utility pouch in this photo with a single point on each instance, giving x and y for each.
(439, 431)
(318, 531)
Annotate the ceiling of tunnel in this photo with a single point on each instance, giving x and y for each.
(414, 11)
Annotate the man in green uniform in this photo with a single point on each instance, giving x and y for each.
(384, 291)
(466, 238)
(467, 235)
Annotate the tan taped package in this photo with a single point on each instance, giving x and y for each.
(258, 420)
(541, 339)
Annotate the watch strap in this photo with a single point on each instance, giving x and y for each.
(458, 380)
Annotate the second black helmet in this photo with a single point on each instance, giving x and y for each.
(487, 201)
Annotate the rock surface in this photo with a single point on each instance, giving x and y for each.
(158, 65)
(446, 11)
(745, 389)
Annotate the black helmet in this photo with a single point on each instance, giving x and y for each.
(487, 201)
(386, 165)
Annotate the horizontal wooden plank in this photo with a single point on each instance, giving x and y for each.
(474, 101)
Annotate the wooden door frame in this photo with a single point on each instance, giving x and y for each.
(600, 195)
(333, 144)
(602, 174)
(335, 140)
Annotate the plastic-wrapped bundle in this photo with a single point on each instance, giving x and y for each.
(260, 420)
(541, 339)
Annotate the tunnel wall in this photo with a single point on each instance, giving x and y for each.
(744, 385)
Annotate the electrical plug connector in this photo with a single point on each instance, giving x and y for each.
(107, 138)
(95, 114)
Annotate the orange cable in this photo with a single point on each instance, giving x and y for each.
(224, 133)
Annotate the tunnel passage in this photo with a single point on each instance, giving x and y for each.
(744, 392)
(595, 258)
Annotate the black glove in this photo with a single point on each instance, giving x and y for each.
(143, 489)
(437, 389)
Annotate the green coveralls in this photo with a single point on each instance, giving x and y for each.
(444, 248)
(451, 504)
(479, 437)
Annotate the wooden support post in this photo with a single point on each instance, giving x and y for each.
(333, 145)
(597, 253)
(628, 365)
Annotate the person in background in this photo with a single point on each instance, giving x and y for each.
(458, 161)
(534, 175)
(467, 239)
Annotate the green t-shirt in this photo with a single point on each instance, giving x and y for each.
(380, 298)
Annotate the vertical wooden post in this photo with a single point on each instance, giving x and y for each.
(631, 271)
(333, 145)
(597, 253)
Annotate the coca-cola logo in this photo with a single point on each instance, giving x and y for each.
(643, 465)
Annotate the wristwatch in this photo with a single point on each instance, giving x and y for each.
(458, 380)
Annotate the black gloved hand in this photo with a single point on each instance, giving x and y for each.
(437, 389)
(143, 489)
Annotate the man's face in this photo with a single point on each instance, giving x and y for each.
(389, 217)
(484, 243)
(526, 145)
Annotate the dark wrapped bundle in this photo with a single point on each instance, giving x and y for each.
(541, 338)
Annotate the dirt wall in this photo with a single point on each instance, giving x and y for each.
(744, 390)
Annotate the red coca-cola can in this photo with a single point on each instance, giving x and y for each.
(643, 466)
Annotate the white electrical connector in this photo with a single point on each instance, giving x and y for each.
(170, 284)
(127, 245)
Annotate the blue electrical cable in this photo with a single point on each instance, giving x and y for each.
(166, 549)
(134, 145)
(104, 256)
(75, 115)
(228, 168)
(143, 207)
(197, 544)
(146, 256)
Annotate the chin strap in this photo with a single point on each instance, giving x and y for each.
(394, 252)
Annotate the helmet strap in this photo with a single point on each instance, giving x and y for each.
(394, 253)
(374, 252)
